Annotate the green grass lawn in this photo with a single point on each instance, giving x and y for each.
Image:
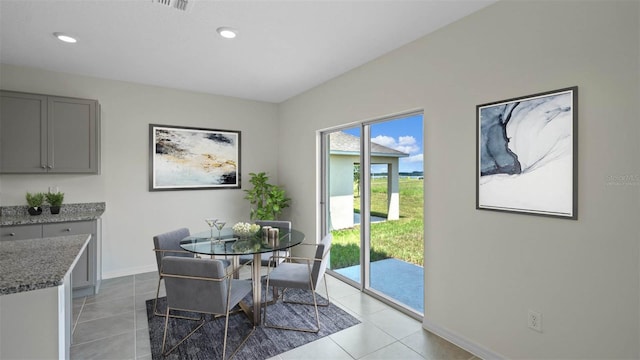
(401, 239)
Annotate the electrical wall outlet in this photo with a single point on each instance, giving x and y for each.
(534, 320)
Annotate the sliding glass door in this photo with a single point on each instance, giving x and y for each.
(343, 195)
(374, 192)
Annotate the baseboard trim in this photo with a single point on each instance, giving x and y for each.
(129, 271)
(470, 346)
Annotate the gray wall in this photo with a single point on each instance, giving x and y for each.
(484, 270)
(133, 213)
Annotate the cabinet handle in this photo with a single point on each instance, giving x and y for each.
(67, 229)
(50, 167)
(12, 234)
(43, 166)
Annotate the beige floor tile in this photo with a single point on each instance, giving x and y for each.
(396, 350)
(112, 293)
(324, 348)
(104, 309)
(385, 333)
(143, 346)
(362, 339)
(145, 286)
(347, 310)
(76, 308)
(120, 347)
(338, 289)
(78, 302)
(141, 319)
(146, 276)
(362, 304)
(394, 323)
(434, 347)
(141, 299)
(103, 328)
(120, 281)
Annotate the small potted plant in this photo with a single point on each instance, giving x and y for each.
(35, 201)
(55, 200)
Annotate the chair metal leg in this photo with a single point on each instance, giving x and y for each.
(226, 330)
(315, 305)
(166, 325)
(326, 290)
(155, 301)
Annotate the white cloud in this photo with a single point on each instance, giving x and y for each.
(407, 140)
(406, 144)
(412, 159)
(384, 140)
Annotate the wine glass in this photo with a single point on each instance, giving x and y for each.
(219, 224)
(211, 222)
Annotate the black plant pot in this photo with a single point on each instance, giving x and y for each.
(55, 209)
(35, 210)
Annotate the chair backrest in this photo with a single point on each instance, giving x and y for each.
(195, 294)
(275, 223)
(322, 254)
(170, 241)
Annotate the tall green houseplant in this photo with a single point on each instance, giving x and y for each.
(267, 200)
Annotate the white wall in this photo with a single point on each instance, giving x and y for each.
(341, 185)
(133, 213)
(484, 270)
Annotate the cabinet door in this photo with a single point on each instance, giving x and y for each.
(73, 134)
(20, 232)
(23, 133)
(84, 274)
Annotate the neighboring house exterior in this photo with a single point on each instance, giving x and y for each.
(344, 154)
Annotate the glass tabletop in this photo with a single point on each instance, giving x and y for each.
(230, 244)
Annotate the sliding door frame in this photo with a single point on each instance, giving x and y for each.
(365, 203)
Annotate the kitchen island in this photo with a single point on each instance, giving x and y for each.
(74, 219)
(35, 296)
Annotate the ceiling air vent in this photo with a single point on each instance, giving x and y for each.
(183, 5)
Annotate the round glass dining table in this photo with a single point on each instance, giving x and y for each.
(230, 245)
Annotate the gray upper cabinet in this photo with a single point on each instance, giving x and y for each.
(48, 134)
(23, 133)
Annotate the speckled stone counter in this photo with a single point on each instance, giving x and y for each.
(18, 215)
(33, 264)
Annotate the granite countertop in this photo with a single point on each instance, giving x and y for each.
(17, 215)
(27, 265)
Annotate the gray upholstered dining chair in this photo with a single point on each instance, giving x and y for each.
(169, 244)
(202, 286)
(300, 273)
(266, 256)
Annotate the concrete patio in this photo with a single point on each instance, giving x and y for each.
(395, 278)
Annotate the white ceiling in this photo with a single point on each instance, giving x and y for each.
(283, 48)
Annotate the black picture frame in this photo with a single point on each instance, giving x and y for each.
(193, 158)
(527, 154)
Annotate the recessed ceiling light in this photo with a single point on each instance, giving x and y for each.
(64, 37)
(227, 32)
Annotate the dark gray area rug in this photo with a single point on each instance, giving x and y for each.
(264, 343)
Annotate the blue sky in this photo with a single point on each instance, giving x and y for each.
(403, 134)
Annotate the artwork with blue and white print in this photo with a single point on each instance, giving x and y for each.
(527, 154)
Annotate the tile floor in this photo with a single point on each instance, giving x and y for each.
(113, 325)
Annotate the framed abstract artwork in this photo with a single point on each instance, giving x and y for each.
(527, 154)
(189, 158)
